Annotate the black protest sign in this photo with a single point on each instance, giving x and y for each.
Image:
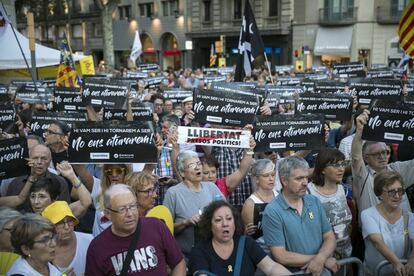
(177, 95)
(225, 107)
(349, 70)
(257, 219)
(105, 93)
(13, 154)
(390, 122)
(289, 81)
(409, 92)
(282, 69)
(4, 96)
(138, 75)
(140, 112)
(308, 84)
(329, 86)
(50, 83)
(7, 117)
(42, 119)
(225, 70)
(368, 89)
(380, 74)
(237, 87)
(212, 79)
(68, 99)
(112, 142)
(147, 67)
(33, 95)
(153, 82)
(334, 107)
(276, 95)
(289, 132)
(317, 77)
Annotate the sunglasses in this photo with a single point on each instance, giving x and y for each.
(113, 171)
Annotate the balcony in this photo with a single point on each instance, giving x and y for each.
(385, 15)
(329, 17)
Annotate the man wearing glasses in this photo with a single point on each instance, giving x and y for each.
(155, 250)
(376, 156)
(57, 139)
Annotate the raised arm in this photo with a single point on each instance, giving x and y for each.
(85, 177)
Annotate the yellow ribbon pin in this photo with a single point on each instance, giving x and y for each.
(311, 215)
(229, 268)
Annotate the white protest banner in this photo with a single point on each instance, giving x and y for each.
(214, 137)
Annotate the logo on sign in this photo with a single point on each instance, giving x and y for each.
(394, 136)
(214, 119)
(277, 145)
(99, 155)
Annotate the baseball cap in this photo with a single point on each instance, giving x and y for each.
(188, 99)
(57, 211)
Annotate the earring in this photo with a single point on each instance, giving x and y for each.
(29, 255)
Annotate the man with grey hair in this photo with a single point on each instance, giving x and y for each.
(376, 156)
(295, 226)
(155, 249)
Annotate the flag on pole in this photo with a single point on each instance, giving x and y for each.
(406, 29)
(251, 49)
(213, 56)
(136, 48)
(4, 20)
(67, 76)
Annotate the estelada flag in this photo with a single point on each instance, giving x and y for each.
(213, 56)
(67, 76)
(406, 29)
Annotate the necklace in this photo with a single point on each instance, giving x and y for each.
(262, 198)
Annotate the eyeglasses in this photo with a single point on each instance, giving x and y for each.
(337, 165)
(393, 193)
(52, 132)
(122, 210)
(113, 171)
(149, 191)
(67, 221)
(194, 165)
(46, 240)
(380, 153)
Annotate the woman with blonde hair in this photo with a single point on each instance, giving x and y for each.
(145, 186)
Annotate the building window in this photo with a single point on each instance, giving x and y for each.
(398, 6)
(237, 9)
(146, 10)
(124, 12)
(97, 30)
(165, 8)
(207, 10)
(61, 30)
(339, 6)
(273, 8)
(77, 30)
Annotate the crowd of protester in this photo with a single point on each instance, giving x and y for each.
(315, 206)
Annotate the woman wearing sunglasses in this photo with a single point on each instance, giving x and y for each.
(387, 229)
(327, 177)
(33, 238)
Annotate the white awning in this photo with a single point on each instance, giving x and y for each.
(333, 41)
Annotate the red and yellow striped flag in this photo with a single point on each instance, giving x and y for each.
(213, 56)
(406, 29)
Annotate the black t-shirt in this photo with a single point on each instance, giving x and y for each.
(203, 257)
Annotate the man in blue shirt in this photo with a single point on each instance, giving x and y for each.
(295, 226)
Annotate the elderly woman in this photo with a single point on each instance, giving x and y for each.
(187, 199)
(327, 177)
(33, 238)
(263, 174)
(221, 227)
(145, 186)
(7, 257)
(387, 229)
(71, 246)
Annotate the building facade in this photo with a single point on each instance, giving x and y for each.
(348, 30)
(210, 19)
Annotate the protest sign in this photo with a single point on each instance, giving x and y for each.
(308, 84)
(368, 89)
(105, 93)
(154, 81)
(349, 70)
(4, 96)
(7, 117)
(137, 75)
(329, 86)
(209, 80)
(33, 95)
(276, 95)
(224, 107)
(317, 77)
(289, 132)
(68, 99)
(380, 74)
(140, 112)
(390, 122)
(289, 81)
(257, 219)
(116, 142)
(42, 119)
(147, 67)
(213, 137)
(282, 69)
(334, 107)
(225, 70)
(177, 95)
(13, 154)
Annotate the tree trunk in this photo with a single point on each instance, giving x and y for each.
(108, 38)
